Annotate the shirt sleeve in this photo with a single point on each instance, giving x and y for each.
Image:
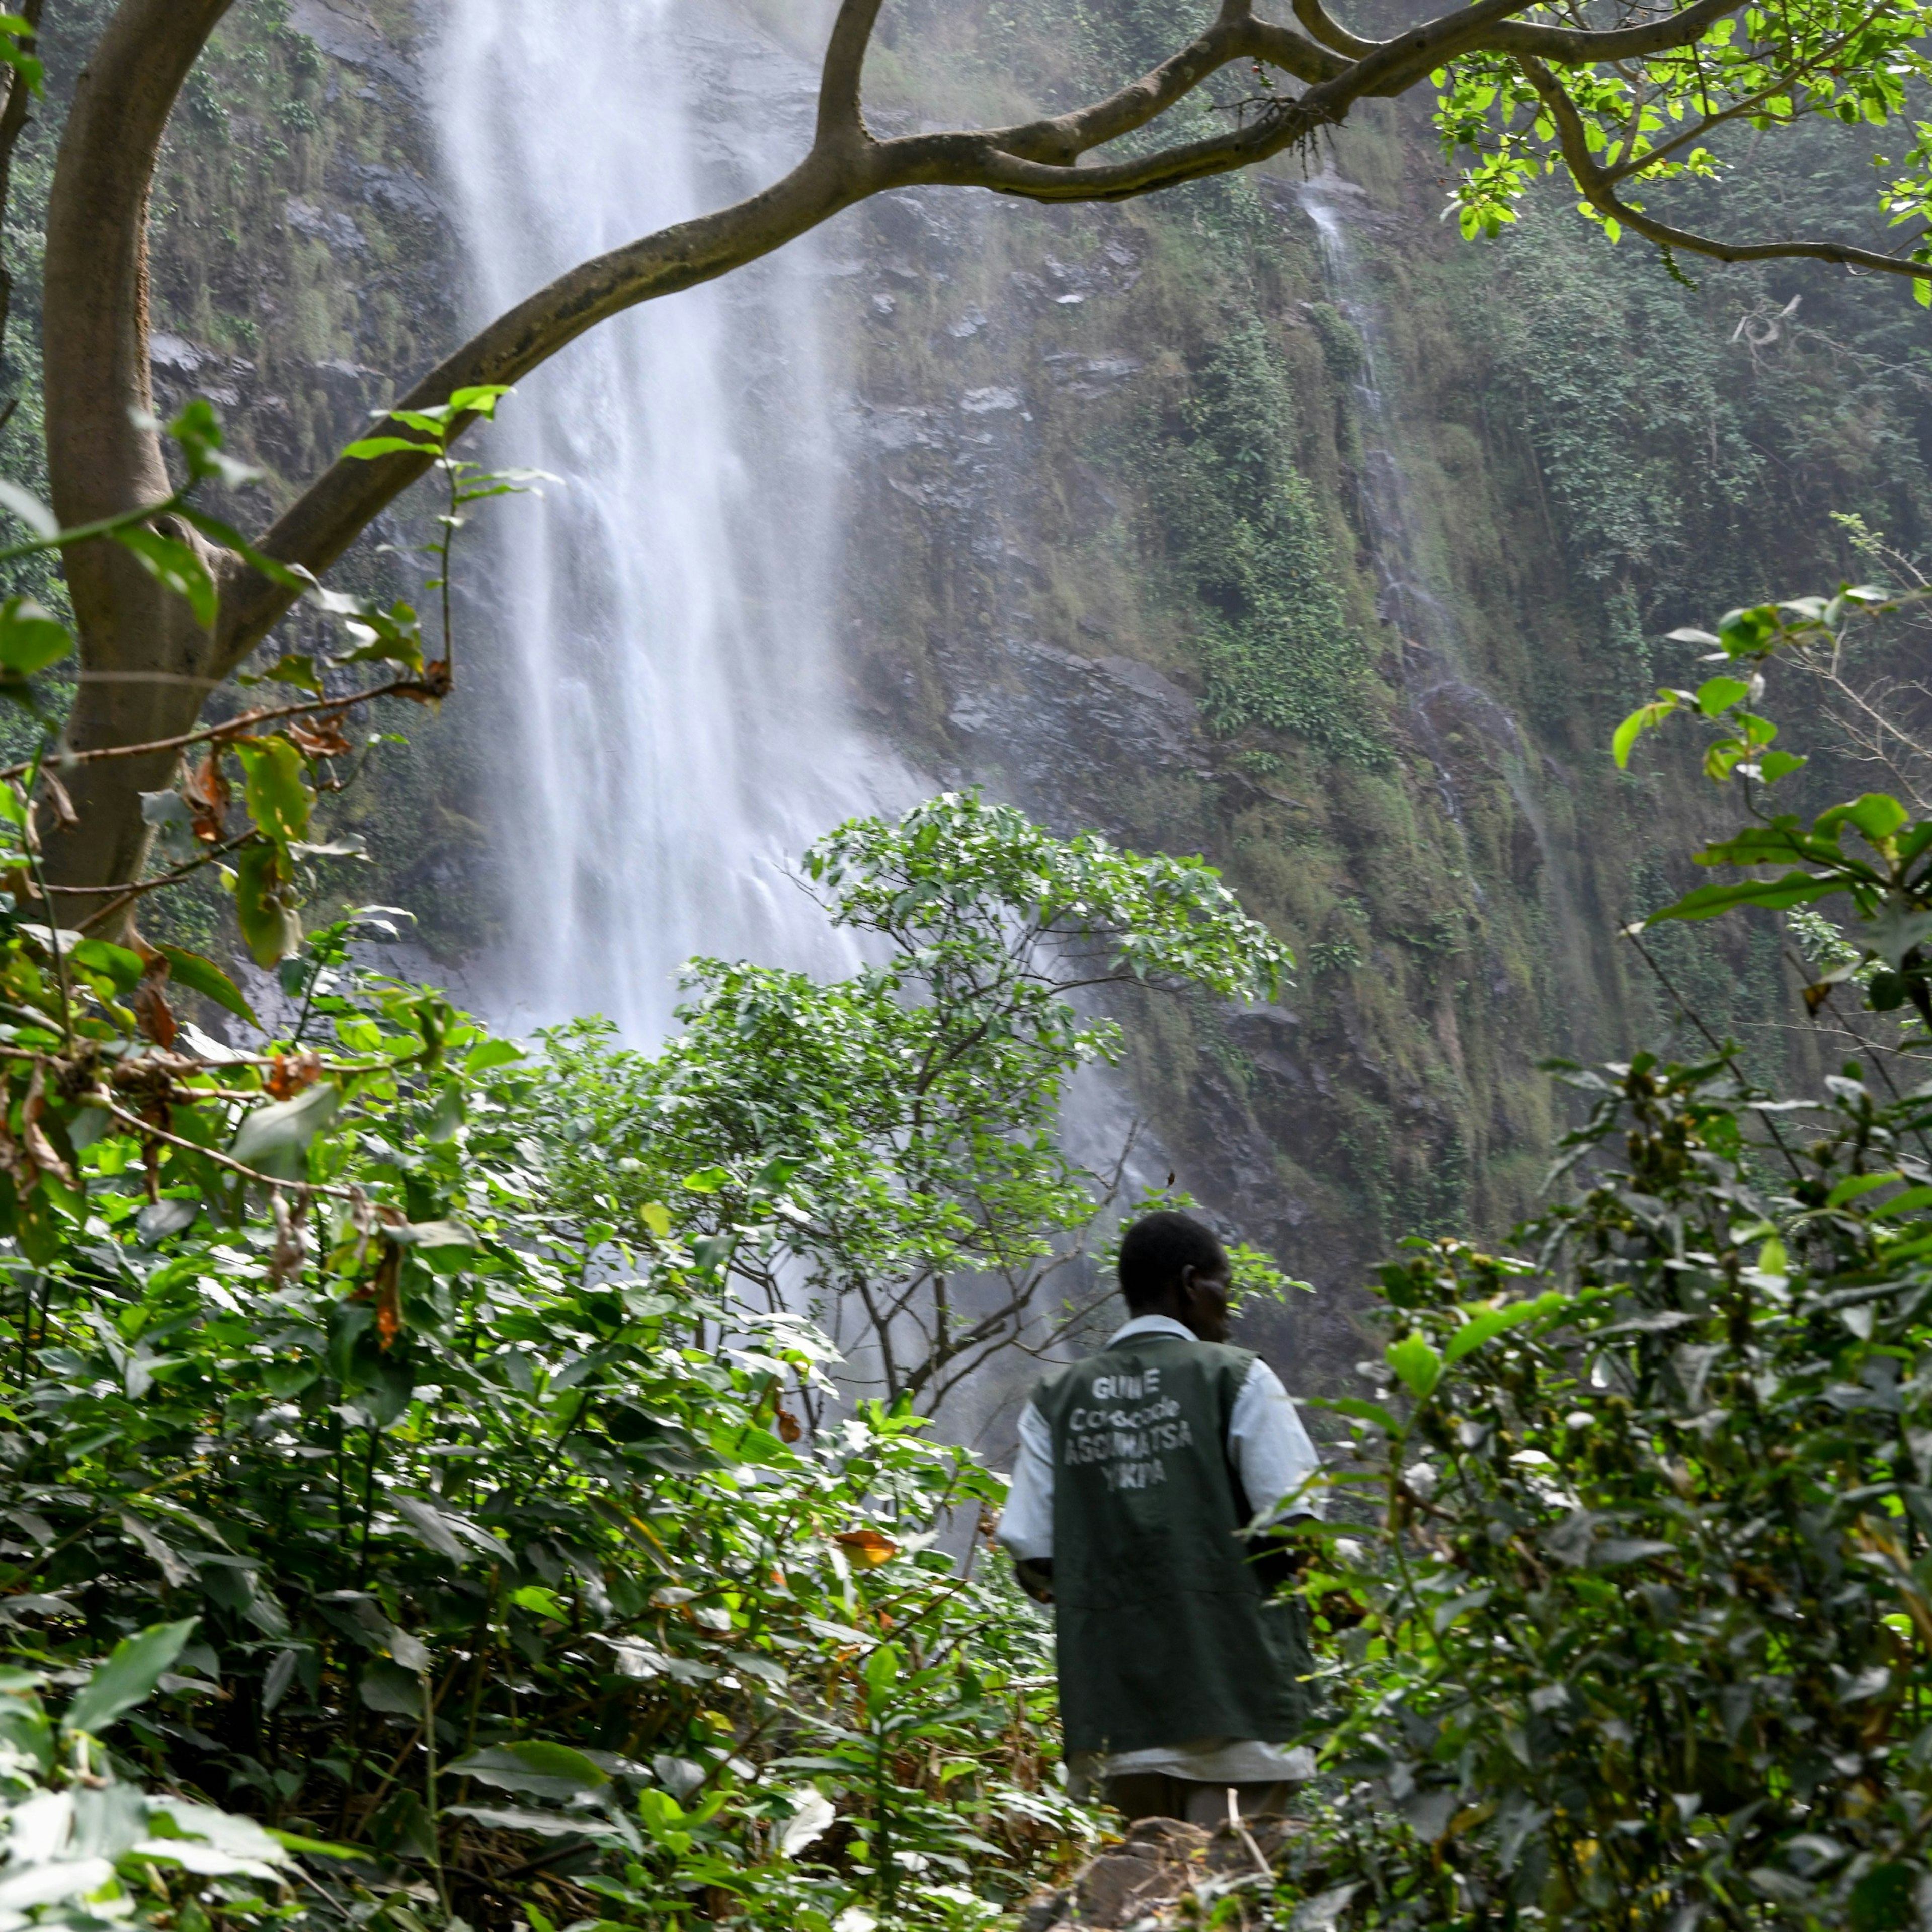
(1026, 1523)
(1270, 1449)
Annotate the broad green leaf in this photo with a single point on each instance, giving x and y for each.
(276, 798)
(1854, 1185)
(534, 1765)
(370, 447)
(1719, 694)
(116, 962)
(128, 1678)
(28, 508)
(262, 905)
(433, 1235)
(491, 1053)
(203, 976)
(1875, 813)
(274, 1139)
(1895, 931)
(1363, 1410)
(30, 638)
(1485, 1322)
(1416, 1362)
(1707, 901)
(1646, 718)
(174, 564)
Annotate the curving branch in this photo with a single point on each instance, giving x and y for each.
(149, 668)
(1572, 47)
(1595, 185)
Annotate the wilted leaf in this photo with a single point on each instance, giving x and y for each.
(869, 1547)
(808, 1824)
(274, 1139)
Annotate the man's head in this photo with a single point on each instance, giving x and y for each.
(1173, 1265)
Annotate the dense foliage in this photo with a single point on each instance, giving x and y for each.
(1639, 1637)
(453, 1542)
(909, 1116)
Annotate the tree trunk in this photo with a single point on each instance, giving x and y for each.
(147, 667)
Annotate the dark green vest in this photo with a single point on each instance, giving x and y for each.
(1162, 1630)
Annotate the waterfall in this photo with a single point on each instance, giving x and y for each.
(1436, 672)
(667, 730)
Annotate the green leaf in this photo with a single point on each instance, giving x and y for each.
(174, 564)
(536, 1766)
(116, 962)
(1646, 718)
(276, 798)
(1707, 901)
(1719, 694)
(28, 508)
(1897, 928)
(370, 447)
(1485, 1322)
(1775, 765)
(491, 1053)
(1876, 814)
(541, 1603)
(263, 906)
(274, 1139)
(1363, 1410)
(1854, 1185)
(30, 639)
(128, 1678)
(203, 976)
(1417, 1363)
(433, 1235)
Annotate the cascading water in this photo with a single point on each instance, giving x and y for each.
(670, 730)
(1434, 658)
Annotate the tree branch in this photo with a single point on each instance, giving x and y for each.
(1594, 183)
(841, 116)
(1570, 46)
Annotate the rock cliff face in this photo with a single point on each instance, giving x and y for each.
(1330, 548)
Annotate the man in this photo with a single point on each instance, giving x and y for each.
(1139, 1471)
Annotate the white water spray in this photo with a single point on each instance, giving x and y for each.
(671, 732)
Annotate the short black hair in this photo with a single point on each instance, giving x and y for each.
(1156, 1249)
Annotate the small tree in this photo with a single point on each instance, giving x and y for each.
(906, 1120)
(1624, 107)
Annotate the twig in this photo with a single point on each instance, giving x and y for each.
(244, 721)
(1634, 933)
(99, 1098)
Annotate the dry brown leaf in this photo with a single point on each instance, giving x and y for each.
(789, 1430)
(321, 737)
(150, 1004)
(388, 1301)
(206, 791)
(870, 1547)
(289, 1073)
(40, 1149)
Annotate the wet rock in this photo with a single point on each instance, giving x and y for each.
(1088, 376)
(334, 230)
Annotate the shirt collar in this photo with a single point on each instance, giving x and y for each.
(1152, 1324)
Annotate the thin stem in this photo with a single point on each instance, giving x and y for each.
(99, 1098)
(245, 722)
